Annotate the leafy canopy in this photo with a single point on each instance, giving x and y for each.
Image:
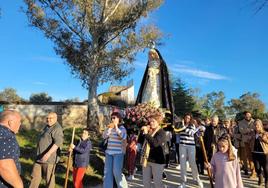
(97, 38)
(40, 98)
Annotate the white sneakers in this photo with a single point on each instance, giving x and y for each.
(199, 183)
(182, 185)
(135, 170)
(178, 167)
(130, 177)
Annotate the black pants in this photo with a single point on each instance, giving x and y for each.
(177, 146)
(260, 162)
(167, 155)
(199, 159)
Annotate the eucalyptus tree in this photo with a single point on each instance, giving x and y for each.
(248, 102)
(98, 39)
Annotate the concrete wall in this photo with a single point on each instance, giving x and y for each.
(128, 95)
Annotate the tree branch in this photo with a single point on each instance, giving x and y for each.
(63, 19)
(103, 10)
(261, 6)
(113, 11)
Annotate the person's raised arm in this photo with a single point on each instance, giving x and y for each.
(9, 172)
(81, 149)
(157, 140)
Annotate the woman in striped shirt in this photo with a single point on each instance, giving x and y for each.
(114, 154)
(187, 151)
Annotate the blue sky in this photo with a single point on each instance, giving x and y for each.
(212, 45)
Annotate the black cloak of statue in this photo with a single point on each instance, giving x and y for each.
(166, 96)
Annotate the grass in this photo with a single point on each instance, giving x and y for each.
(27, 140)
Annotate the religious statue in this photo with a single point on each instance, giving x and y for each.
(155, 86)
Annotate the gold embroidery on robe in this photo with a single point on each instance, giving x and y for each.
(152, 92)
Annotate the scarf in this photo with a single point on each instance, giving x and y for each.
(146, 150)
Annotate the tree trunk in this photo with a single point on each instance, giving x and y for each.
(93, 106)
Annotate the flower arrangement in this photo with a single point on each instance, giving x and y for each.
(138, 116)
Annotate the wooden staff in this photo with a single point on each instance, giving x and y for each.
(68, 161)
(206, 160)
(178, 130)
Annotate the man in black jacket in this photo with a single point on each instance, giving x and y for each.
(212, 133)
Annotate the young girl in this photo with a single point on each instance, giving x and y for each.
(81, 153)
(225, 166)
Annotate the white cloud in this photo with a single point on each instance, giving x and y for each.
(198, 73)
(140, 64)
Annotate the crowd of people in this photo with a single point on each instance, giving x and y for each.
(231, 147)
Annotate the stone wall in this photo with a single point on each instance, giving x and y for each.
(69, 115)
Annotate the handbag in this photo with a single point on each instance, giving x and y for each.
(103, 145)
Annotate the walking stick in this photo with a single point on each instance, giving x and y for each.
(206, 160)
(68, 161)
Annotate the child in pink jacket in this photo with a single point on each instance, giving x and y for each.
(225, 166)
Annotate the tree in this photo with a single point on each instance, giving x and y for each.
(213, 104)
(248, 102)
(10, 95)
(97, 38)
(76, 99)
(259, 4)
(183, 100)
(40, 98)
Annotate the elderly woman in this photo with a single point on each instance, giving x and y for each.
(153, 158)
(114, 154)
(260, 152)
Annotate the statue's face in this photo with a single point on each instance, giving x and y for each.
(153, 55)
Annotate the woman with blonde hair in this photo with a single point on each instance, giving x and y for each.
(260, 152)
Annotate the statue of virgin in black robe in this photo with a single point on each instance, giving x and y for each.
(155, 86)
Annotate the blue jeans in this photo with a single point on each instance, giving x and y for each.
(113, 169)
